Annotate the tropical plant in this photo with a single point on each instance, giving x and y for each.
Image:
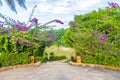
(11, 4)
(95, 32)
(30, 38)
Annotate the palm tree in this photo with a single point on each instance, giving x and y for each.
(11, 4)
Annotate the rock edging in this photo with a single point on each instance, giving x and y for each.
(95, 66)
(20, 66)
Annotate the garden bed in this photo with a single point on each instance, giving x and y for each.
(19, 66)
(95, 66)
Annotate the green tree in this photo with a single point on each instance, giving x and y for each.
(59, 36)
(11, 4)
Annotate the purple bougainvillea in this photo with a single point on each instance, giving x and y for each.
(107, 52)
(15, 41)
(35, 20)
(73, 23)
(113, 4)
(48, 40)
(23, 27)
(111, 28)
(30, 44)
(19, 27)
(103, 37)
(24, 42)
(58, 21)
(20, 42)
(106, 16)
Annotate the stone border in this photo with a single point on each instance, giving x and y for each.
(95, 66)
(20, 66)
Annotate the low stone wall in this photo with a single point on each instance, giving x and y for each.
(95, 66)
(19, 66)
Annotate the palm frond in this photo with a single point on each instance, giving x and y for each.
(0, 3)
(21, 3)
(11, 4)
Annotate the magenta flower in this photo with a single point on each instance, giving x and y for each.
(30, 44)
(24, 42)
(15, 41)
(113, 4)
(103, 37)
(58, 21)
(34, 20)
(23, 27)
(73, 23)
(19, 27)
(49, 40)
(106, 16)
(20, 42)
(107, 52)
(111, 28)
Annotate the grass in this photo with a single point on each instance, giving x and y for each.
(60, 50)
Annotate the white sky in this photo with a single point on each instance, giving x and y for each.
(55, 9)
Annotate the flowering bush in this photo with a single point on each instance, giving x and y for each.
(21, 37)
(96, 32)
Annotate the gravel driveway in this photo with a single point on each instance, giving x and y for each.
(59, 71)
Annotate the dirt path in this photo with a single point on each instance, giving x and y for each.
(59, 71)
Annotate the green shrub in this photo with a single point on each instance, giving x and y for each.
(52, 54)
(103, 59)
(96, 36)
(57, 58)
(38, 58)
(10, 59)
(51, 57)
(60, 57)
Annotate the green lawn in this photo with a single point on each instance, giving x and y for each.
(60, 50)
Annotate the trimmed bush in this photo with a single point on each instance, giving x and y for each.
(103, 59)
(60, 57)
(10, 59)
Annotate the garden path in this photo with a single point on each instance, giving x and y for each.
(59, 71)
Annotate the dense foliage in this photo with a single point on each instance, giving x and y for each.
(96, 32)
(59, 36)
(10, 59)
